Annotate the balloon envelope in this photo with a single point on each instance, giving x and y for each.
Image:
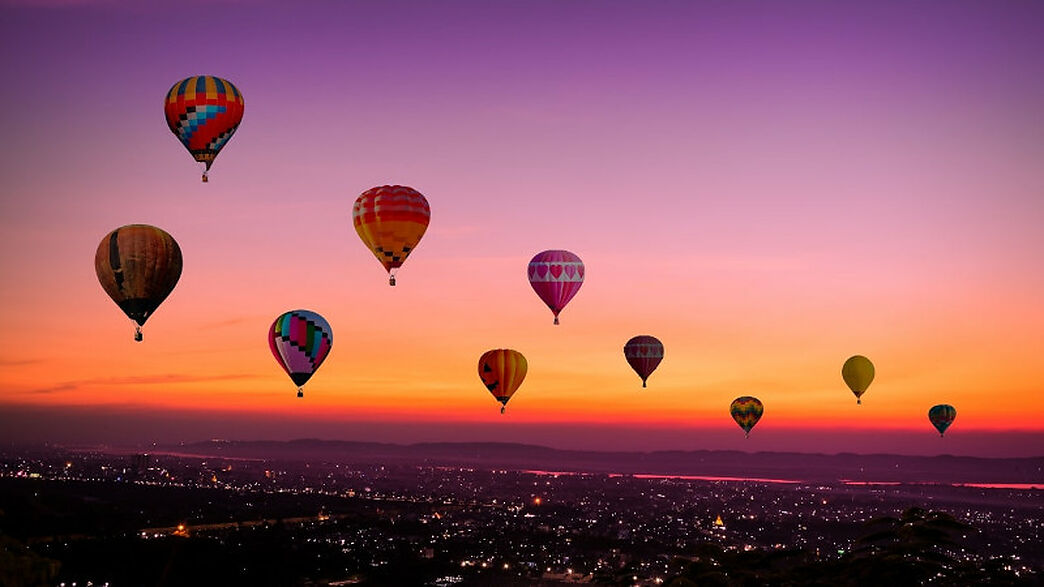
(502, 372)
(746, 411)
(556, 276)
(203, 112)
(643, 354)
(138, 266)
(300, 340)
(390, 220)
(858, 373)
(941, 416)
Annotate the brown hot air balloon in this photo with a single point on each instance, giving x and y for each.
(138, 266)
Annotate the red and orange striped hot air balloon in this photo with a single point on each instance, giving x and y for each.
(390, 220)
(502, 372)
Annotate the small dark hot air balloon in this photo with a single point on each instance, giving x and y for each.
(858, 373)
(203, 112)
(746, 411)
(941, 416)
(556, 276)
(300, 340)
(502, 372)
(643, 354)
(138, 266)
(390, 220)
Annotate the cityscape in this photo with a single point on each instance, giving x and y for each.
(541, 292)
(97, 517)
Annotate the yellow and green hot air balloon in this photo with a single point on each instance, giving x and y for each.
(941, 416)
(858, 373)
(746, 411)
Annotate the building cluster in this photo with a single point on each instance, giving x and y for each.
(453, 524)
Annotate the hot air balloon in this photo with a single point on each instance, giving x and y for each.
(556, 276)
(390, 220)
(138, 266)
(746, 411)
(502, 371)
(941, 416)
(643, 354)
(300, 341)
(203, 112)
(858, 372)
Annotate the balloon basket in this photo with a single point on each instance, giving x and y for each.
(300, 393)
(502, 408)
(205, 179)
(137, 334)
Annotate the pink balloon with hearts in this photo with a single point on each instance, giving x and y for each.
(556, 276)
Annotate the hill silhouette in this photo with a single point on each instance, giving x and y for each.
(769, 465)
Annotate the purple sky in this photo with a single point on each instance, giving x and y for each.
(768, 186)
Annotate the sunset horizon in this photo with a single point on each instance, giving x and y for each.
(767, 190)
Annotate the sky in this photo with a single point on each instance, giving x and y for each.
(768, 188)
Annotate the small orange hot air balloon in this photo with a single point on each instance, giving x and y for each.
(502, 371)
(390, 220)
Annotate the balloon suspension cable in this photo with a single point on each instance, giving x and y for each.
(300, 392)
(137, 333)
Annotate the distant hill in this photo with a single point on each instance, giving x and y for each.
(774, 465)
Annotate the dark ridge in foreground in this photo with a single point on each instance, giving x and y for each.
(768, 465)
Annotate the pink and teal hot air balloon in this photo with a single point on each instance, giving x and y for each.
(941, 416)
(556, 276)
(300, 341)
(643, 354)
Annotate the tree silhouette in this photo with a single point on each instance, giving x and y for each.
(20, 567)
(908, 550)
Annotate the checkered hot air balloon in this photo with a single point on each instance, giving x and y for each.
(556, 276)
(746, 411)
(203, 112)
(138, 266)
(300, 340)
(390, 220)
(643, 354)
(502, 372)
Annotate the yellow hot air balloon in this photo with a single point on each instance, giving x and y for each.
(390, 220)
(858, 373)
(502, 371)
